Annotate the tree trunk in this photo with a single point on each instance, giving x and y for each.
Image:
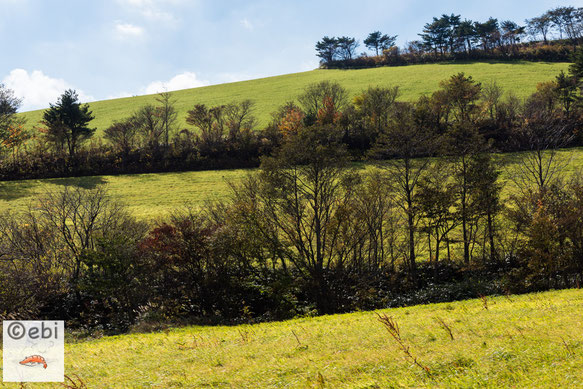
(412, 262)
(493, 255)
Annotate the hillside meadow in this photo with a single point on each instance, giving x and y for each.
(156, 195)
(269, 93)
(532, 340)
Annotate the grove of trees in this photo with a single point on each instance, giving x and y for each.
(449, 37)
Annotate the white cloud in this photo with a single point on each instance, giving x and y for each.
(37, 90)
(151, 9)
(246, 24)
(156, 15)
(126, 30)
(184, 80)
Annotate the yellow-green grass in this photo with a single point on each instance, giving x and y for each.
(269, 93)
(156, 195)
(147, 196)
(532, 340)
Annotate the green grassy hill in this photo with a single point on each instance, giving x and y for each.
(269, 93)
(532, 340)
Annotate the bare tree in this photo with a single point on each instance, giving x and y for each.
(542, 135)
(79, 217)
(123, 134)
(150, 125)
(491, 99)
(404, 142)
(376, 223)
(239, 118)
(542, 163)
(167, 113)
(43, 248)
(437, 199)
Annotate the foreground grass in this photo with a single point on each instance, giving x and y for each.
(531, 340)
(156, 195)
(270, 93)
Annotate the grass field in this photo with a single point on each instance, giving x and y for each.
(532, 340)
(148, 196)
(269, 93)
(155, 195)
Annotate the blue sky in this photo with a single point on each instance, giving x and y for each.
(115, 48)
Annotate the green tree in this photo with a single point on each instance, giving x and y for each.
(539, 25)
(453, 22)
(511, 32)
(12, 132)
(327, 49)
(9, 105)
(303, 198)
(466, 33)
(464, 145)
(66, 123)
(379, 42)
(566, 88)
(347, 47)
(462, 94)
(488, 33)
(435, 35)
(565, 19)
(376, 105)
(576, 68)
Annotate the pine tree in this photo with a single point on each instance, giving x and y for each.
(66, 123)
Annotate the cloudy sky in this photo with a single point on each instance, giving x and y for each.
(115, 48)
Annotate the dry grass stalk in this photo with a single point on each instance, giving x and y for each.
(393, 329)
(297, 339)
(484, 301)
(74, 382)
(569, 348)
(445, 326)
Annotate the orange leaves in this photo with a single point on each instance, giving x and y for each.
(292, 122)
(15, 136)
(328, 113)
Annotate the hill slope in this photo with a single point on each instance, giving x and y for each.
(517, 341)
(269, 93)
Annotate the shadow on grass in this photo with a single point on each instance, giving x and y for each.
(14, 190)
(491, 62)
(91, 182)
